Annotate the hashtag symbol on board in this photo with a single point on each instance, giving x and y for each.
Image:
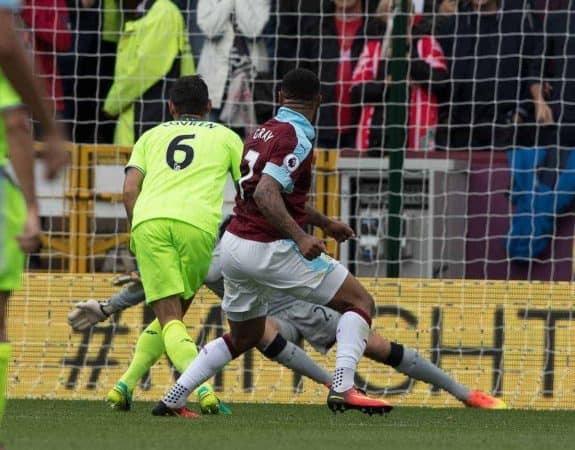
(101, 360)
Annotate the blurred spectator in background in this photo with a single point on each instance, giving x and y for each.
(266, 84)
(233, 55)
(331, 45)
(429, 75)
(490, 50)
(88, 69)
(111, 24)
(189, 10)
(554, 95)
(48, 33)
(293, 17)
(80, 112)
(544, 177)
(368, 89)
(153, 51)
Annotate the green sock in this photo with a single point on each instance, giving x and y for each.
(5, 351)
(181, 348)
(149, 348)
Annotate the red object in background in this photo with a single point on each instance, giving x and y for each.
(346, 31)
(423, 111)
(48, 24)
(366, 70)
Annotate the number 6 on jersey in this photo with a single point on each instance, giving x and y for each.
(177, 146)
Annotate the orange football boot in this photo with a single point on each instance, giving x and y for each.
(481, 400)
(161, 409)
(355, 399)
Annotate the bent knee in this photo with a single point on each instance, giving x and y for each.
(370, 306)
(363, 302)
(246, 342)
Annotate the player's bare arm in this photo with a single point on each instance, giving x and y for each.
(19, 136)
(18, 69)
(334, 228)
(315, 218)
(268, 198)
(132, 187)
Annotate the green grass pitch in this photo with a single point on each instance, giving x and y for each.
(83, 425)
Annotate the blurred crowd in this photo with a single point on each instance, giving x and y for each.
(482, 74)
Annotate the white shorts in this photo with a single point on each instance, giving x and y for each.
(298, 320)
(256, 271)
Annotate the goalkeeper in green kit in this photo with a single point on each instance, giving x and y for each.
(173, 194)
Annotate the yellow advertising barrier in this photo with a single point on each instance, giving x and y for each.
(512, 338)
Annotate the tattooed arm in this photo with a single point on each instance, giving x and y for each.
(268, 198)
(334, 228)
(315, 218)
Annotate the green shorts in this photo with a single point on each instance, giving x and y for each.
(12, 219)
(173, 257)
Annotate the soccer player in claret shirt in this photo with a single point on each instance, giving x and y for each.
(289, 320)
(265, 249)
(173, 194)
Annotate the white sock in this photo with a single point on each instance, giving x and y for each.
(295, 358)
(177, 396)
(210, 360)
(352, 335)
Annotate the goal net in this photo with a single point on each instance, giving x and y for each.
(443, 139)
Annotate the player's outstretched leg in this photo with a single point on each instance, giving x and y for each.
(275, 347)
(213, 357)
(409, 362)
(353, 328)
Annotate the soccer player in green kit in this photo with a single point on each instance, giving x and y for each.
(19, 223)
(173, 194)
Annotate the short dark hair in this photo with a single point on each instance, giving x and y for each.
(189, 95)
(300, 84)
